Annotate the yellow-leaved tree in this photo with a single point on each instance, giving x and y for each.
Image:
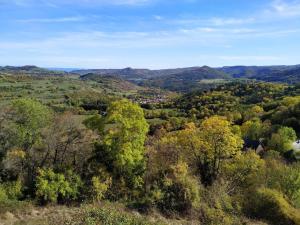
(209, 146)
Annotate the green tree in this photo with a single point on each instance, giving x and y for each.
(125, 133)
(244, 172)
(282, 140)
(252, 130)
(29, 117)
(253, 112)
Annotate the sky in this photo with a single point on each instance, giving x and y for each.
(149, 33)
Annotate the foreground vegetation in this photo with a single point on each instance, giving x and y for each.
(222, 156)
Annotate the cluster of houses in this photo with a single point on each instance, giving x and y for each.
(155, 99)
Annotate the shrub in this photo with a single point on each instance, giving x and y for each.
(180, 192)
(100, 187)
(271, 205)
(283, 139)
(51, 186)
(244, 172)
(13, 189)
(10, 191)
(284, 178)
(218, 206)
(75, 185)
(212, 216)
(3, 195)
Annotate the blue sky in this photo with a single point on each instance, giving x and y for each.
(149, 33)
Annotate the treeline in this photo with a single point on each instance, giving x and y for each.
(227, 159)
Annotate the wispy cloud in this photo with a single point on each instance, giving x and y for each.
(157, 17)
(97, 40)
(53, 20)
(102, 2)
(91, 3)
(275, 10)
(105, 36)
(15, 2)
(216, 21)
(250, 58)
(230, 21)
(284, 8)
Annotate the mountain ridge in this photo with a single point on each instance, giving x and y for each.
(177, 79)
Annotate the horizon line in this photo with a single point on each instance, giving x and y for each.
(147, 68)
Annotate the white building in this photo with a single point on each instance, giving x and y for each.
(296, 148)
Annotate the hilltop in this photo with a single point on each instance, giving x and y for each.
(192, 78)
(30, 70)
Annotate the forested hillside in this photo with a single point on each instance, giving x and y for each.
(29, 70)
(195, 78)
(283, 74)
(101, 150)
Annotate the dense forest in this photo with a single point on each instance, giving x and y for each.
(94, 148)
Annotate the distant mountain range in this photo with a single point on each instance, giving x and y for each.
(130, 73)
(288, 74)
(186, 79)
(179, 79)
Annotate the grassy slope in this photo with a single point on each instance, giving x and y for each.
(53, 89)
(101, 213)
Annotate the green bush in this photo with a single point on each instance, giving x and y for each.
(10, 191)
(50, 186)
(75, 184)
(212, 216)
(244, 172)
(100, 187)
(218, 206)
(3, 195)
(178, 192)
(284, 178)
(271, 205)
(13, 189)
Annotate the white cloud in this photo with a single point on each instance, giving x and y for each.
(284, 8)
(93, 41)
(230, 21)
(274, 11)
(216, 21)
(250, 58)
(15, 2)
(157, 17)
(89, 3)
(102, 2)
(53, 20)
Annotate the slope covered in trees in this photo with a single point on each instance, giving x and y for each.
(99, 154)
(284, 74)
(198, 78)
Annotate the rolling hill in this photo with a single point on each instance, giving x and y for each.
(188, 80)
(180, 79)
(111, 82)
(284, 74)
(30, 70)
(177, 79)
